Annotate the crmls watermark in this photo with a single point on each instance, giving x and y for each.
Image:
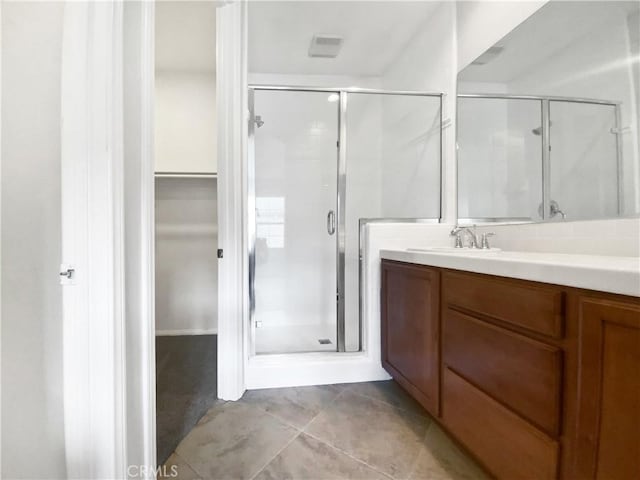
(146, 471)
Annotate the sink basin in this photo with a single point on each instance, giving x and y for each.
(469, 251)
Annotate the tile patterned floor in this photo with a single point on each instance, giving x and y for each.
(364, 431)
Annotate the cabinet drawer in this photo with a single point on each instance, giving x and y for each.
(526, 375)
(507, 445)
(534, 307)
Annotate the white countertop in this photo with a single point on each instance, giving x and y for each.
(593, 272)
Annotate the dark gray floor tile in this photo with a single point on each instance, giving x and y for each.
(176, 468)
(309, 459)
(389, 392)
(296, 406)
(372, 431)
(441, 459)
(234, 441)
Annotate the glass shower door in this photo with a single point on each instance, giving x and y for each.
(293, 175)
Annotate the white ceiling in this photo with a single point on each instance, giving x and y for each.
(374, 34)
(551, 29)
(186, 36)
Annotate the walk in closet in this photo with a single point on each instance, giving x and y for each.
(186, 232)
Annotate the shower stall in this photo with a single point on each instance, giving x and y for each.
(321, 163)
(539, 158)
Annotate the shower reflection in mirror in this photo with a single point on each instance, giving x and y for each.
(547, 120)
(536, 158)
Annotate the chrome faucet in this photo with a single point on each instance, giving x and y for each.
(471, 234)
(485, 240)
(554, 209)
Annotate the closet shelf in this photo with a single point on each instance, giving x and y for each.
(186, 229)
(185, 175)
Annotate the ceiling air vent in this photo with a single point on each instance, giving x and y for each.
(325, 46)
(488, 56)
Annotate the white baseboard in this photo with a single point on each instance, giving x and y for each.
(188, 331)
(295, 370)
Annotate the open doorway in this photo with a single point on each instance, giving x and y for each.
(186, 231)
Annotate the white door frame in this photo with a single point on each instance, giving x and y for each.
(139, 93)
(232, 112)
(92, 241)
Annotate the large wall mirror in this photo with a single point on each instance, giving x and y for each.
(548, 118)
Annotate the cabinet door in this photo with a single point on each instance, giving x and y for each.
(608, 427)
(410, 329)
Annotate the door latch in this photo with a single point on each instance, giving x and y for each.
(67, 274)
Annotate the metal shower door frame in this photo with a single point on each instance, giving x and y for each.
(341, 180)
(251, 212)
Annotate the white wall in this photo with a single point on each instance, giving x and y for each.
(186, 209)
(186, 256)
(185, 131)
(259, 78)
(32, 403)
(428, 63)
(483, 23)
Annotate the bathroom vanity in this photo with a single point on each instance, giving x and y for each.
(531, 361)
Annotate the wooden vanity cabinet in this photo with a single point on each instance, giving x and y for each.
(535, 380)
(410, 330)
(502, 369)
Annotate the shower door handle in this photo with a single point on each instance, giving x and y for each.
(331, 222)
